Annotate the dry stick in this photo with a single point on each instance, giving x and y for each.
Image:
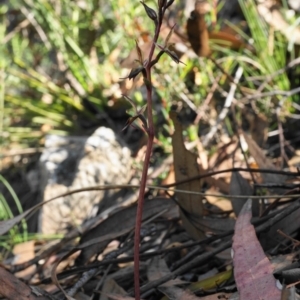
(86, 276)
(259, 94)
(18, 28)
(239, 131)
(237, 125)
(31, 18)
(268, 78)
(273, 93)
(284, 157)
(226, 107)
(267, 222)
(206, 256)
(200, 111)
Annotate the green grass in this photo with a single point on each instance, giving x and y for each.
(270, 55)
(44, 41)
(16, 234)
(36, 88)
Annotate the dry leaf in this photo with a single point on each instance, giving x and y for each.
(82, 296)
(212, 282)
(289, 293)
(234, 296)
(215, 225)
(24, 252)
(228, 40)
(216, 184)
(6, 225)
(120, 221)
(263, 162)
(119, 297)
(218, 200)
(185, 165)
(157, 269)
(197, 31)
(111, 288)
(240, 186)
(12, 288)
(281, 262)
(218, 296)
(176, 293)
(199, 36)
(258, 126)
(253, 272)
(288, 225)
(222, 158)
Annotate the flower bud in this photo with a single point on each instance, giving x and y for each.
(150, 12)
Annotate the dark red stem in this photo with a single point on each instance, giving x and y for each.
(150, 132)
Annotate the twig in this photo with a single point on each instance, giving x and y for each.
(206, 256)
(18, 28)
(262, 224)
(268, 78)
(203, 107)
(281, 138)
(31, 18)
(272, 93)
(226, 107)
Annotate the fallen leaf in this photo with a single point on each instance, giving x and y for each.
(216, 184)
(157, 269)
(176, 293)
(120, 221)
(288, 224)
(185, 166)
(289, 293)
(197, 31)
(170, 178)
(228, 40)
(6, 225)
(212, 282)
(216, 198)
(215, 225)
(125, 273)
(12, 288)
(118, 297)
(198, 34)
(264, 163)
(258, 126)
(222, 158)
(24, 252)
(82, 296)
(240, 186)
(253, 272)
(218, 296)
(234, 296)
(281, 262)
(112, 289)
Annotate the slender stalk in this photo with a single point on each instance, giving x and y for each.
(150, 132)
(138, 220)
